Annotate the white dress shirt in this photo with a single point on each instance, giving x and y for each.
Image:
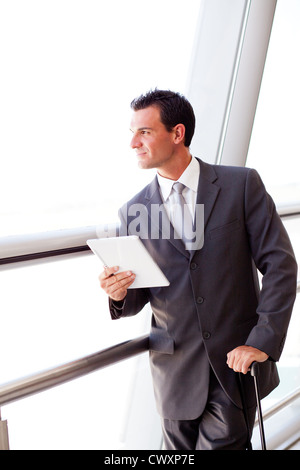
(189, 178)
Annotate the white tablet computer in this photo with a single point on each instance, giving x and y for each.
(129, 254)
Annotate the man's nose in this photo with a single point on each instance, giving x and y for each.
(135, 142)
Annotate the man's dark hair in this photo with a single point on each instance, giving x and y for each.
(174, 109)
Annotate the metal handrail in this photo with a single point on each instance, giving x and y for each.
(42, 381)
(50, 378)
(40, 246)
(292, 210)
(287, 400)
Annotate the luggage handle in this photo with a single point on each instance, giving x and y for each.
(254, 371)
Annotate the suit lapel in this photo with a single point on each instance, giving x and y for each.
(207, 194)
(207, 190)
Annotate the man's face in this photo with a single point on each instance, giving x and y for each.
(153, 144)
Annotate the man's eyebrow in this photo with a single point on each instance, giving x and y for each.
(143, 128)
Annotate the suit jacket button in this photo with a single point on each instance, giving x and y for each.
(194, 266)
(206, 334)
(200, 300)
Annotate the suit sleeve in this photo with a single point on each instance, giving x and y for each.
(274, 258)
(133, 303)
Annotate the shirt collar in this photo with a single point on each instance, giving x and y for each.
(189, 178)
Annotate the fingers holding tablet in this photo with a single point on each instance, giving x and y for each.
(114, 283)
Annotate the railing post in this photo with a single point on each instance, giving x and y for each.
(4, 443)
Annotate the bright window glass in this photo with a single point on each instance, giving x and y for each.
(274, 147)
(69, 70)
(54, 313)
(274, 152)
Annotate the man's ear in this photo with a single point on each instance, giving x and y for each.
(179, 133)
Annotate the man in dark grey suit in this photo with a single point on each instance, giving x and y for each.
(212, 320)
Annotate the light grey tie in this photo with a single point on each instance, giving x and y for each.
(181, 216)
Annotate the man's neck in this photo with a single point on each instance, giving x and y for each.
(174, 169)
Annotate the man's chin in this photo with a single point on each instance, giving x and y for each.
(144, 165)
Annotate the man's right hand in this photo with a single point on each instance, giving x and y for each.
(116, 285)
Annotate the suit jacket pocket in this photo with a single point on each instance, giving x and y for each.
(161, 342)
(224, 229)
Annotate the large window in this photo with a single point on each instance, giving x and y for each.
(69, 70)
(274, 147)
(52, 314)
(274, 152)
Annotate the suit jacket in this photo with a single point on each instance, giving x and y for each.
(214, 303)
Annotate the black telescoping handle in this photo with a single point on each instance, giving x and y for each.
(254, 370)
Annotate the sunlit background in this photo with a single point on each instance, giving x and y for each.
(69, 70)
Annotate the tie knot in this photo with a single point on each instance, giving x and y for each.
(178, 187)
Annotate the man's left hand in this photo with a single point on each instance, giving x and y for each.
(241, 358)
